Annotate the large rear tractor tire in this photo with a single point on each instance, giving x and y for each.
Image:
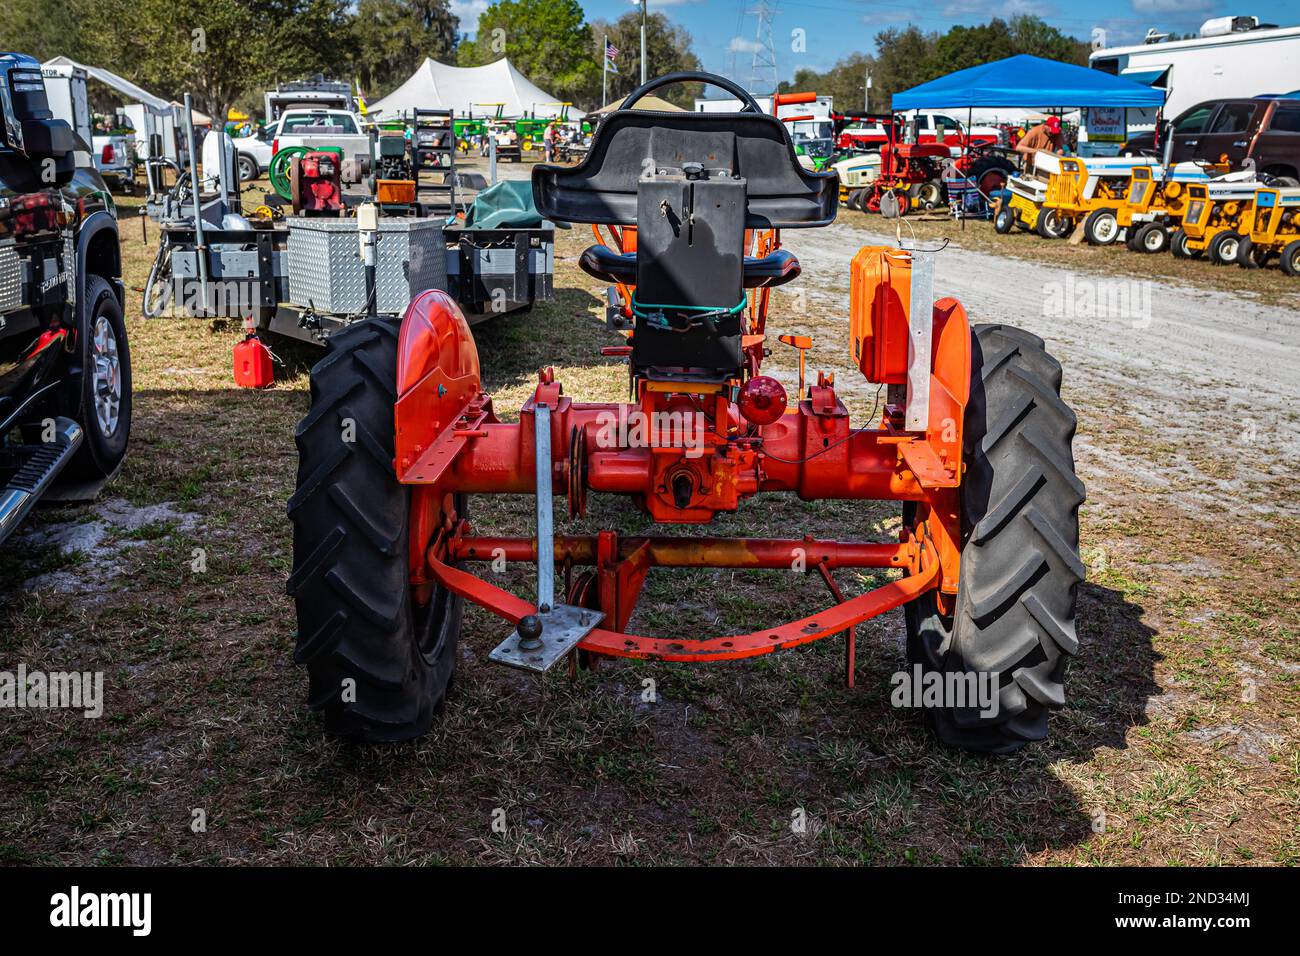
(379, 661)
(1153, 238)
(1291, 258)
(1020, 568)
(1251, 256)
(990, 174)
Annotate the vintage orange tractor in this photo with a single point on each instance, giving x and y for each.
(974, 441)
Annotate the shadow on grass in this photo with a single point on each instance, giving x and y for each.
(561, 332)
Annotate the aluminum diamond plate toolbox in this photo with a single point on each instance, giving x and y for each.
(326, 272)
(11, 278)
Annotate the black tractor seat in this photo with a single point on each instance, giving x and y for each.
(776, 268)
(695, 186)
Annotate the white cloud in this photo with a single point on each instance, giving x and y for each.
(468, 12)
(1172, 6)
(891, 16)
(998, 8)
(743, 45)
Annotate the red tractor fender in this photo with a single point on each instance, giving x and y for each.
(438, 403)
(437, 375)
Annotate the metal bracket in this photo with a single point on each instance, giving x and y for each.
(920, 319)
(562, 629)
(557, 627)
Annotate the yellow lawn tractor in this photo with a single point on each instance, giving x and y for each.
(1155, 206)
(1023, 206)
(1274, 230)
(1213, 224)
(1065, 191)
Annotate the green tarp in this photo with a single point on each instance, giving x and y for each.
(507, 205)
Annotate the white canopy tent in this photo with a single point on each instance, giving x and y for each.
(474, 89)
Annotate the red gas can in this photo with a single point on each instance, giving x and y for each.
(253, 367)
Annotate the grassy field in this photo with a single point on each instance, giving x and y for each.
(1179, 743)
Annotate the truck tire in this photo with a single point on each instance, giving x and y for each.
(104, 403)
(1020, 568)
(1101, 228)
(379, 664)
(248, 168)
(1223, 248)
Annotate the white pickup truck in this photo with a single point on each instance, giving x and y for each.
(318, 128)
(253, 153)
(113, 141)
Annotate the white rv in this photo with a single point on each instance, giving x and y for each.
(1232, 57)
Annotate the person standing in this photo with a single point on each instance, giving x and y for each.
(1046, 136)
(548, 139)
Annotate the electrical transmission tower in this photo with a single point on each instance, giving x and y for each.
(762, 71)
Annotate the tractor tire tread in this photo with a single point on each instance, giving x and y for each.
(1020, 563)
(367, 675)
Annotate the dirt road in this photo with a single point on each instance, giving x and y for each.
(1205, 378)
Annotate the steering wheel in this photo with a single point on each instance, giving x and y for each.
(748, 103)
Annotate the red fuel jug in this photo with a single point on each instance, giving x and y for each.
(253, 367)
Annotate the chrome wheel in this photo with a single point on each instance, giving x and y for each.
(105, 376)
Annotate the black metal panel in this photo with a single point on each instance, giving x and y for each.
(690, 247)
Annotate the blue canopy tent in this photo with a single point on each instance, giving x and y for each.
(1028, 81)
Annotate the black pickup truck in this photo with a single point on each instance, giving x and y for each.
(65, 369)
(1262, 129)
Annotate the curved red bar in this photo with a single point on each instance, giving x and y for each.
(833, 620)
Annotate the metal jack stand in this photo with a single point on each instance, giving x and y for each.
(543, 639)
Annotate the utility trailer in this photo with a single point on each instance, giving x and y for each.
(331, 263)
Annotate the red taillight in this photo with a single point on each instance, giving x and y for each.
(762, 400)
(275, 146)
(106, 157)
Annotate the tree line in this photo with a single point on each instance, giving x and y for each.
(227, 52)
(907, 57)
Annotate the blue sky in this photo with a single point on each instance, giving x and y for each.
(724, 34)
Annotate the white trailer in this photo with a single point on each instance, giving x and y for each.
(1232, 57)
(65, 86)
(149, 114)
(149, 123)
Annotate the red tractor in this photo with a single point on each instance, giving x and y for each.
(911, 173)
(974, 441)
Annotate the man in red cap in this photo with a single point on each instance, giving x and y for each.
(1046, 136)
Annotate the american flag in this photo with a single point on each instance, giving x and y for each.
(611, 51)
